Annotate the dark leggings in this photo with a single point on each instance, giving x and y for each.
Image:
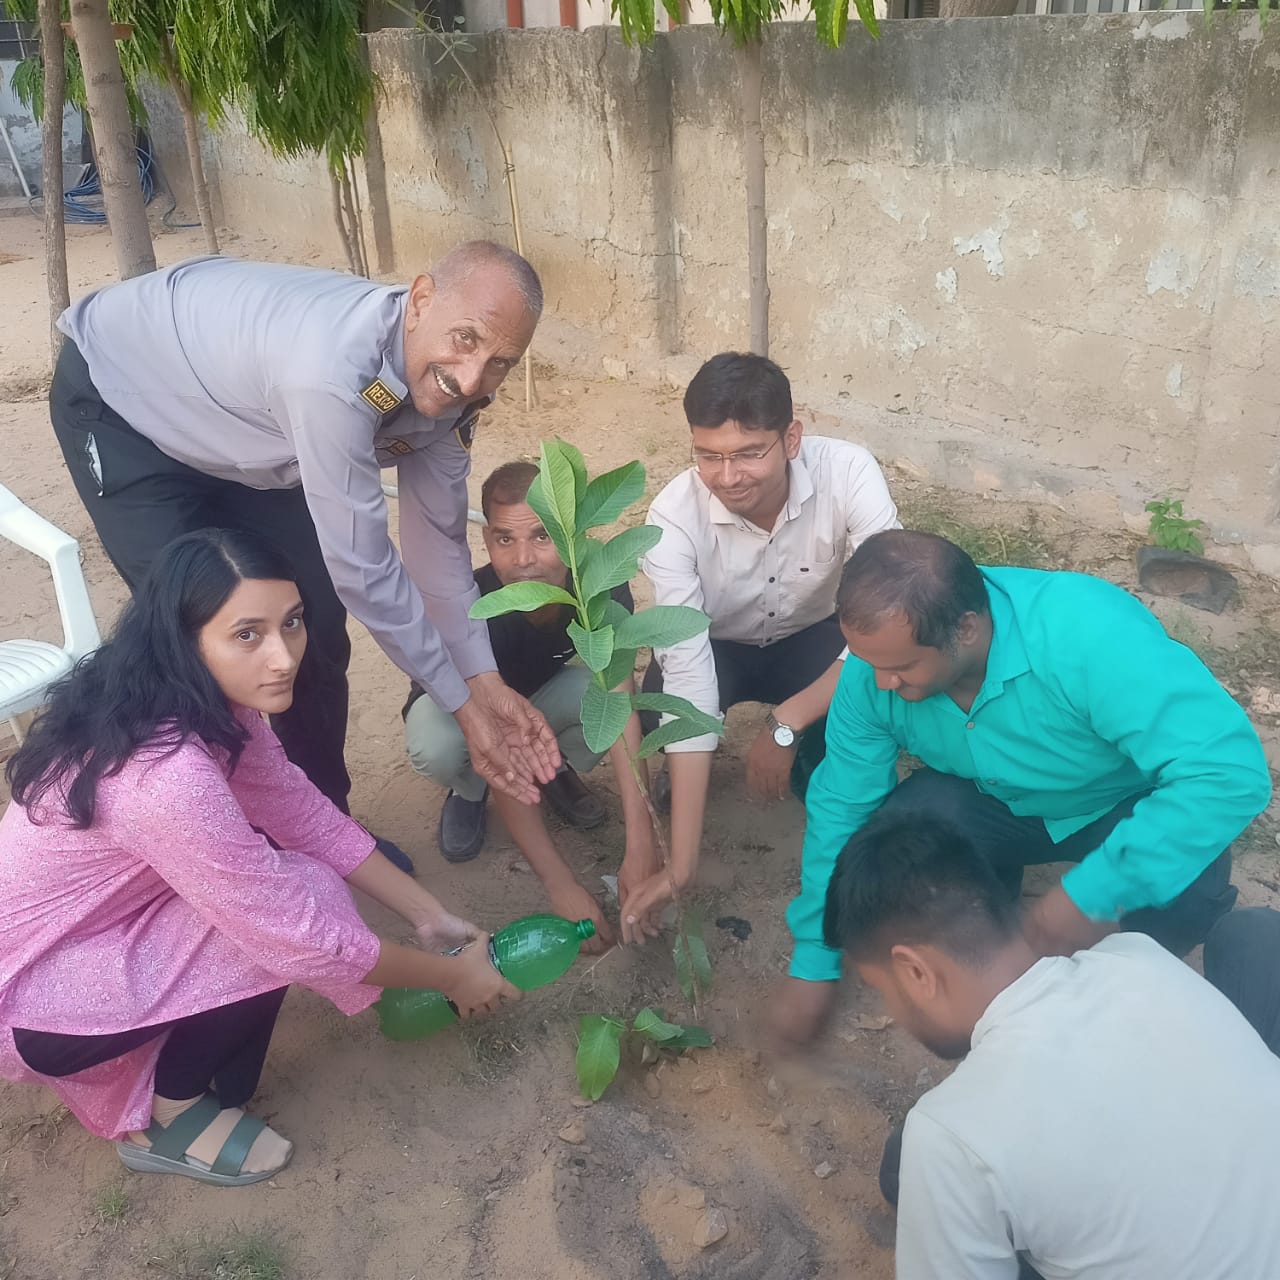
(223, 1048)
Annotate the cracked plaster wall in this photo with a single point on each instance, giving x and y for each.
(1039, 255)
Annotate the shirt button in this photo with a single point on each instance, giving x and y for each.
(771, 615)
(773, 579)
(969, 725)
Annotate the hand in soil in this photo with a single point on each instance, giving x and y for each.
(632, 876)
(1055, 926)
(642, 908)
(474, 985)
(798, 1014)
(769, 768)
(574, 902)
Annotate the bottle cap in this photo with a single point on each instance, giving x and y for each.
(585, 929)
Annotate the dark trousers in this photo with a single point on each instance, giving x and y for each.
(1242, 959)
(1011, 843)
(222, 1047)
(140, 500)
(753, 673)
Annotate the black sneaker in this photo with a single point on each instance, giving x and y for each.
(573, 800)
(461, 833)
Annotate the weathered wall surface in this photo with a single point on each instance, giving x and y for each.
(1037, 255)
(24, 134)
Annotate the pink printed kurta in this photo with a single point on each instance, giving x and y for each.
(172, 904)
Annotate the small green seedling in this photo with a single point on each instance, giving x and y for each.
(600, 1045)
(1172, 530)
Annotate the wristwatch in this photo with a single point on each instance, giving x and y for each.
(783, 734)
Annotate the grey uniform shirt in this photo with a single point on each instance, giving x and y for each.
(277, 376)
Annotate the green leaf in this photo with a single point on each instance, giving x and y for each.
(594, 647)
(604, 716)
(559, 482)
(610, 494)
(599, 1051)
(519, 597)
(662, 625)
(693, 965)
(648, 1022)
(691, 1038)
(671, 705)
(574, 455)
(665, 734)
(621, 665)
(617, 560)
(545, 511)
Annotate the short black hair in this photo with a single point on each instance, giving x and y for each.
(909, 879)
(926, 577)
(507, 485)
(737, 386)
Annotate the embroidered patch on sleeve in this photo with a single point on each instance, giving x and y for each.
(380, 396)
(398, 448)
(466, 431)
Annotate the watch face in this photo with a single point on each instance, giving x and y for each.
(784, 735)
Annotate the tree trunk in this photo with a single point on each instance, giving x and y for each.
(52, 182)
(191, 132)
(751, 76)
(113, 138)
(335, 190)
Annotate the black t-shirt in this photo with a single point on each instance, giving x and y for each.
(527, 656)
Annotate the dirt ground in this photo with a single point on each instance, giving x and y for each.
(443, 1158)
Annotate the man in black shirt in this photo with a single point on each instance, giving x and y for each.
(532, 651)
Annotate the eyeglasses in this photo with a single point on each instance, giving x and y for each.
(743, 458)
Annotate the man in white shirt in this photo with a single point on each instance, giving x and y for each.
(1114, 1118)
(755, 534)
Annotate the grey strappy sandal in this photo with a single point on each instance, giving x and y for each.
(169, 1143)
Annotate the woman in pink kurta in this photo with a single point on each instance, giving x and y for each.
(165, 873)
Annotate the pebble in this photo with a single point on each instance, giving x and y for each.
(574, 1133)
(713, 1228)
(498, 1174)
(773, 1088)
(779, 1124)
(692, 1197)
(648, 1053)
(583, 1102)
(703, 1084)
(824, 1170)
(651, 1085)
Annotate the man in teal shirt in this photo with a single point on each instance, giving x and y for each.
(1057, 722)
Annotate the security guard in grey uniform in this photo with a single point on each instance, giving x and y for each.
(220, 393)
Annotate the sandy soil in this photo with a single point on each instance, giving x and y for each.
(444, 1158)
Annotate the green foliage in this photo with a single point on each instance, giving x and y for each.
(600, 1045)
(599, 1052)
(1169, 528)
(693, 965)
(745, 20)
(606, 637)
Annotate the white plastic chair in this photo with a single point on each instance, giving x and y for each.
(29, 667)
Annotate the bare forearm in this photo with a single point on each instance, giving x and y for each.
(635, 813)
(400, 966)
(529, 830)
(396, 891)
(690, 775)
(811, 703)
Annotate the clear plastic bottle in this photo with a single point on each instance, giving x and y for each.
(530, 952)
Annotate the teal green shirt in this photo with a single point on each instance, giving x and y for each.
(1086, 702)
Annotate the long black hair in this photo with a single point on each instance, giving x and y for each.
(147, 683)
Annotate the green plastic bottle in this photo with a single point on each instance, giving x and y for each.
(530, 952)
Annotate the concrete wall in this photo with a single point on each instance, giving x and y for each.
(1036, 255)
(24, 133)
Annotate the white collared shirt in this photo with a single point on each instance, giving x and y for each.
(758, 587)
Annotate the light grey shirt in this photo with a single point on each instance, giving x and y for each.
(1116, 1119)
(277, 376)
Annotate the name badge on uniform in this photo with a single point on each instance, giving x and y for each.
(380, 396)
